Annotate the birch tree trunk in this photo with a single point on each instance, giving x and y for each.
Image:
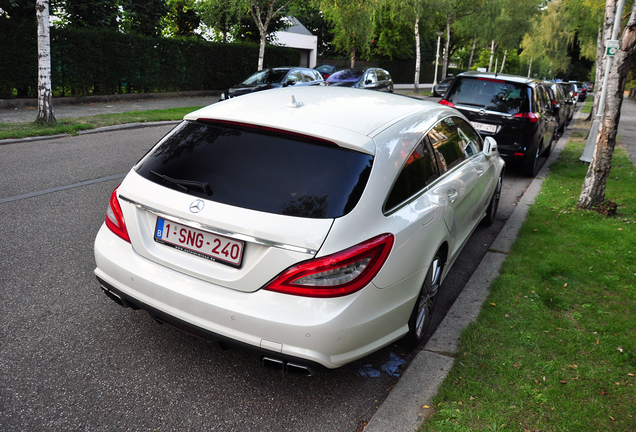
(45, 94)
(530, 67)
(503, 62)
(472, 52)
(446, 48)
(593, 191)
(418, 56)
(492, 55)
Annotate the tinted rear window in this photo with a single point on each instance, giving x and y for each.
(269, 172)
(492, 95)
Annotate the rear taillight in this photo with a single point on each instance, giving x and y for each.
(447, 103)
(335, 275)
(532, 117)
(115, 218)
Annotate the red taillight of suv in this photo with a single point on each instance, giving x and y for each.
(115, 218)
(336, 275)
(532, 117)
(447, 103)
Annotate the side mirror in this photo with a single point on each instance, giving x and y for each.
(490, 146)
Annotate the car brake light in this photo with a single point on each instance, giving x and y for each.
(336, 275)
(447, 103)
(115, 218)
(532, 117)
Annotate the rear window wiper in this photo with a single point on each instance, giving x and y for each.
(471, 104)
(185, 184)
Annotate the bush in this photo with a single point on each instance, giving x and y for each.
(103, 61)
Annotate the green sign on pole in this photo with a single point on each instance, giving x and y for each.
(611, 47)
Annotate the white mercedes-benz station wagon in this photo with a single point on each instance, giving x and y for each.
(311, 225)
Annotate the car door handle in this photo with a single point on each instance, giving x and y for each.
(480, 171)
(452, 195)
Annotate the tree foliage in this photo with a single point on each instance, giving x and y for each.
(353, 22)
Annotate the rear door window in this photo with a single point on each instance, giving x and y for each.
(491, 94)
(447, 144)
(418, 171)
(268, 171)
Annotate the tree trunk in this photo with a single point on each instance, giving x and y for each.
(530, 67)
(503, 62)
(45, 94)
(261, 51)
(593, 192)
(472, 51)
(492, 55)
(446, 48)
(418, 57)
(352, 56)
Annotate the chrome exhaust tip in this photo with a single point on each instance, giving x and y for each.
(282, 366)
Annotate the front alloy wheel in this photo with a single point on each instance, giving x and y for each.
(423, 310)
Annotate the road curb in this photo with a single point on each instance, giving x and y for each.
(403, 409)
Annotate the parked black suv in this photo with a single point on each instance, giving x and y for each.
(516, 111)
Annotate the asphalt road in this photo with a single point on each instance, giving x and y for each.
(70, 358)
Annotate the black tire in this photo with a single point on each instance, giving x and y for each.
(530, 169)
(423, 310)
(491, 213)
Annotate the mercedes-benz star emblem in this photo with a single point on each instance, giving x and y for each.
(196, 206)
(482, 111)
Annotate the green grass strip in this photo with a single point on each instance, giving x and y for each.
(72, 126)
(554, 348)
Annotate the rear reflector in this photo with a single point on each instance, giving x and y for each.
(335, 275)
(532, 117)
(447, 103)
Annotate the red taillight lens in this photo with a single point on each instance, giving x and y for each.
(115, 218)
(447, 103)
(532, 117)
(335, 275)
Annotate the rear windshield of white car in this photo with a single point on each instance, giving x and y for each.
(491, 95)
(268, 171)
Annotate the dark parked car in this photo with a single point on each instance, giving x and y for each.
(568, 90)
(560, 107)
(516, 111)
(275, 78)
(326, 70)
(581, 90)
(441, 88)
(372, 79)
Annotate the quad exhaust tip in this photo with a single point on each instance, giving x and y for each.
(283, 366)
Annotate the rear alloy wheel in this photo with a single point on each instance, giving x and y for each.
(423, 310)
(491, 213)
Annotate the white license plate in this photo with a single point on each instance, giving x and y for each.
(484, 127)
(200, 243)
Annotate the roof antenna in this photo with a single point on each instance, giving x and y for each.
(293, 103)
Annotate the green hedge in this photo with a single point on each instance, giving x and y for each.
(101, 61)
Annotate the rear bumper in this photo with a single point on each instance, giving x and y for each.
(306, 332)
(269, 359)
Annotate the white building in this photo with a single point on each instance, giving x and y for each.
(297, 36)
